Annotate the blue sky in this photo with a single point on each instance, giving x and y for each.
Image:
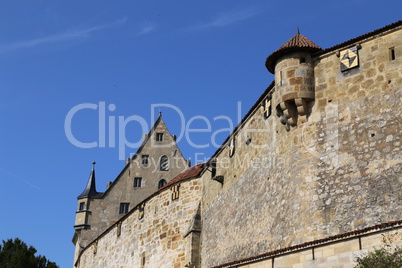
(203, 60)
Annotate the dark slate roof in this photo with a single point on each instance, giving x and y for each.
(90, 190)
(297, 43)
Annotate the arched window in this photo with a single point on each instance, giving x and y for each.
(164, 164)
(161, 183)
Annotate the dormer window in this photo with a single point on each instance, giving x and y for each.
(159, 137)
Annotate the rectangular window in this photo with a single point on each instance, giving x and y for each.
(159, 136)
(137, 182)
(145, 160)
(82, 206)
(392, 53)
(124, 208)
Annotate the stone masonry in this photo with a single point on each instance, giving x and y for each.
(159, 236)
(311, 177)
(338, 171)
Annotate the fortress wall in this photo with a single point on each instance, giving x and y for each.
(339, 171)
(340, 254)
(156, 240)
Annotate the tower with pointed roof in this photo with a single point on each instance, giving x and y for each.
(293, 68)
(84, 200)
(157, 161)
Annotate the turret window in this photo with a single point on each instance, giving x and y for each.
(124, 208)
(164, 163)
(82, 206)
(280, 78)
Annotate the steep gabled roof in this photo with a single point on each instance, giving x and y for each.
(297, 43)
(148, 136)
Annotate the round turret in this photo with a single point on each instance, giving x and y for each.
(294, 79)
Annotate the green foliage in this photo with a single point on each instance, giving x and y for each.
(384, 257)
(381, 258)
(16, 254)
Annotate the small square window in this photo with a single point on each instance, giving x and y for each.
(145, 160)
(124, 208)
(159, 136)
(137, 182)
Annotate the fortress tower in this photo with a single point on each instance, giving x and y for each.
(293, 67)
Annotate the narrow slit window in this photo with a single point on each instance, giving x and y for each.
(213, 169)
(392, 53)
(82, 206)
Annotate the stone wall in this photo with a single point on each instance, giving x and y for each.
(337, 172)
(340, 254)
(163, 237)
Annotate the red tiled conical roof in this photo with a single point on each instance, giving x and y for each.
(297, 43)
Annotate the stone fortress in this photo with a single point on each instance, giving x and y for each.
(311, 176)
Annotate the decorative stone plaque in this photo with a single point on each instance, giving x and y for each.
(349, 58)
